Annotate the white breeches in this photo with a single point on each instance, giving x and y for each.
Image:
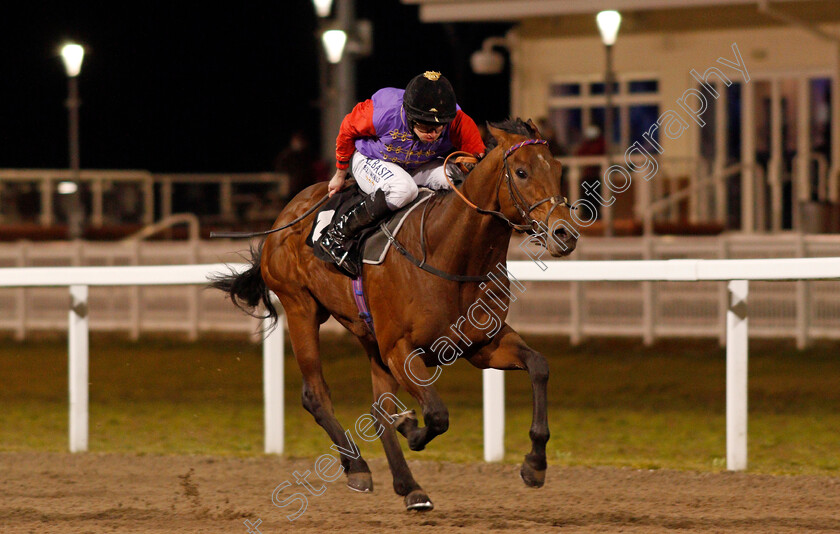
(399, 185)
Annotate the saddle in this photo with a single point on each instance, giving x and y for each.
(372, 244)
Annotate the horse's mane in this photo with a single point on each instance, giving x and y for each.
(511, 125)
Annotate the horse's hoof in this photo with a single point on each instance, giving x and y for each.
(415, 444)
(361, 482)
(531, 477)
(405, 422)
(419, 501)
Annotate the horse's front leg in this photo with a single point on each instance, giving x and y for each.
(509, 351)
(383, 410)
(411, 373)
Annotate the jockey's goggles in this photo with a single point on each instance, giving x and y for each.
(427, 128)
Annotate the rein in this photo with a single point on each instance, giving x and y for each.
(519, 201)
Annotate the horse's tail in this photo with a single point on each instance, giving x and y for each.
(247, 289)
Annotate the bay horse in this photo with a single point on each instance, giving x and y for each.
(516, 186)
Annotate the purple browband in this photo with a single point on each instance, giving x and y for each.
(512, 149)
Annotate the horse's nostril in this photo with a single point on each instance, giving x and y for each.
(560, 234)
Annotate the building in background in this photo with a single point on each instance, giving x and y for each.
(757, 149)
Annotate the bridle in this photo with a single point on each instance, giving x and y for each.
(519, 201)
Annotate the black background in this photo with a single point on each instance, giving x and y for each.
(195, 87)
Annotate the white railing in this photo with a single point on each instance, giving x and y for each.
(737, 272)
(79, 279)
(653, 311)
(579, 310)
(132, 309)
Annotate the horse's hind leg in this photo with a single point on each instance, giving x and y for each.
(383, 409)
(303, 331)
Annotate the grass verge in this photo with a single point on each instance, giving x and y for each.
(612, 402)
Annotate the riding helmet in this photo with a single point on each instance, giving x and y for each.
(429, 98)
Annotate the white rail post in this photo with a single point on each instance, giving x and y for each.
(77, 337)
(20, 297)
(649, 301)
(493, 387)
(135, 304)
(723, 294)
(273, 382)
(737, 339)
(803, 305)
(575, 310)
(193, 298)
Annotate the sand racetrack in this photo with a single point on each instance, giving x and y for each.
(60, 492)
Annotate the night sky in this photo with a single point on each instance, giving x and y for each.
(195, 87)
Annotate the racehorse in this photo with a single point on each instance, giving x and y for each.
(416, 311)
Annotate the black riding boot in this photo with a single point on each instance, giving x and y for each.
(336, 241)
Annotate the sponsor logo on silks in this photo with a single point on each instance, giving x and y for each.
(377, 170)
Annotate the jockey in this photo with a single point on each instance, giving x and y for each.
(394, 142)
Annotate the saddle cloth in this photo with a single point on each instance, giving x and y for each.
(372, 245)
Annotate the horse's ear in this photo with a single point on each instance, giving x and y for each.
(498, 134)
(536, 130)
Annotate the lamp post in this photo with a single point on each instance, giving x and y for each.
(72, 54)
(608, 23)
(344, 39)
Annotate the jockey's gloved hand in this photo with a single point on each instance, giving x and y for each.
(467, 163)
(337, 181)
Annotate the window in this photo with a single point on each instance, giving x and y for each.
(565, 89)
(643, 86)
(577, 110)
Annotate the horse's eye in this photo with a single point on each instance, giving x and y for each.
(520, 173)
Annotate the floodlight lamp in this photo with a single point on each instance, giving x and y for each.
(608, 23)
(67, 188)
(323, 7)
(72, 54)
(334, 41)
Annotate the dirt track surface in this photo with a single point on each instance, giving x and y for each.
(53, 492)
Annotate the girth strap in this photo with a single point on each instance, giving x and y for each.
(428, 268)
(361, 303)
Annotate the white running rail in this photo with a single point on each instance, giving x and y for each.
(78, 279)
(737, 272)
